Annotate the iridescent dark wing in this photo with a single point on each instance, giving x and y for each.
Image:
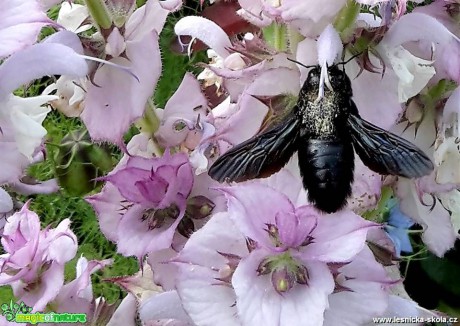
(260, 156)
(386, 153)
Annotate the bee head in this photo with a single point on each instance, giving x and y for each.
(313, 79)
(339, 80)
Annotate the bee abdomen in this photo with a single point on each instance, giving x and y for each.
(327, 169)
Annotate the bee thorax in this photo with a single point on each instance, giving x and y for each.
(319, 117)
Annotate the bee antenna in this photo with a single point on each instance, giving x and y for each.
(299, 63)
(352, 57)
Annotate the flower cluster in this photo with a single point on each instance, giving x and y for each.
(209, 253)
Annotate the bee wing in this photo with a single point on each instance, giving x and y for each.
(386, 153)
(259, 156)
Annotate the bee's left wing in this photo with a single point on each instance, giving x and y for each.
(386, 153)
(259, 156)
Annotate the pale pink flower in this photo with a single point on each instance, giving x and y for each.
(77, 295)
(281, 264)
(115, 99)
(143, 294)
(144, 199)
(34, 260)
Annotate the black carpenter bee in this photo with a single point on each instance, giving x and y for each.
(324, 133)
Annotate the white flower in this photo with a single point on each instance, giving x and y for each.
(25, 116)
(413, 73)
(72, 16)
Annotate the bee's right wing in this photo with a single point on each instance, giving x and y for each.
(260, 156)
(386, 153)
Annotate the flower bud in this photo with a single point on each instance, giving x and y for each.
(186, 227)
(302, 275)
(283, 279)
(199, 207)
(120, 10)
(79, 162)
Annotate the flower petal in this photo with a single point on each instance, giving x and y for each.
(439, 234)
(6, 203)
(165, 305)
(20, 24)
(338, 237)
(37, 61)
(116, 99)
(206, 31)
(259, 304)
(202, 263)
(252, 206)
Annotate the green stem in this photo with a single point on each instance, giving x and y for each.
(150, 122)
(99, 13)
(346, 18)
(294, 38)
(275, 35)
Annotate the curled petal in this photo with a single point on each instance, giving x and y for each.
(415, 27)
(37, 61)
(206, 31)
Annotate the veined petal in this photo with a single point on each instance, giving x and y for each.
(136, 239)
(275, 81)
(198, 288)
(259, 304)
(202, 263)
(379, 104)
(116, 99)
(252, 206)
(165, 305)
(337, 238)
(108, 209)
(349, 308)
(451, 113)
(42, 187)
(446, 157)
(245, 122)
(51, 283)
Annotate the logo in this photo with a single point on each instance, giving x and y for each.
(21, 313)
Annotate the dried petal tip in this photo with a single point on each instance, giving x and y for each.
(302, 275)
(265, 267)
